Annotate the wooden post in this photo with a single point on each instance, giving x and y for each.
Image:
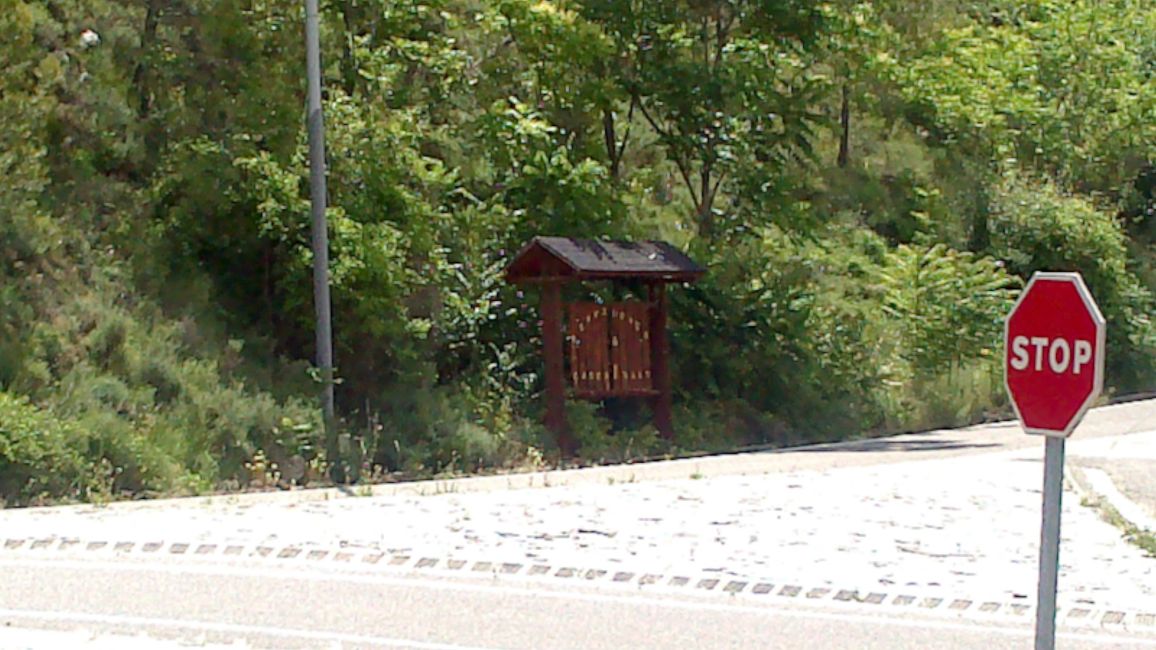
(660, 370)
(555, 419)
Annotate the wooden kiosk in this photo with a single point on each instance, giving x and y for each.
(615, 349)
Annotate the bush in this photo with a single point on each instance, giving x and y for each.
(713, 426)
(435, 430)
(600, 440)
(741, 331)
(816, 340)
(789, 327)
(161, 417)
(131, 462)
(40, 456)
(1034, 227)
(949, 305)
(966, 394)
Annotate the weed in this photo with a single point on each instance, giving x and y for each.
(1142, 538)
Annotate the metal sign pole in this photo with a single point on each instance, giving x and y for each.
(320, 234)
(1050, 544)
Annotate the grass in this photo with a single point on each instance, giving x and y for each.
(1142, 538)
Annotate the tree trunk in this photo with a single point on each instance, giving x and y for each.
(143, 84)
(348, 59)
(140, 77)
(980, 237)
(845, 127)
(706, 203)
(611, 139)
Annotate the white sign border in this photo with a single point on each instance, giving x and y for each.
(1101, 348)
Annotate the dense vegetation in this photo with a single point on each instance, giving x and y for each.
(868, 183)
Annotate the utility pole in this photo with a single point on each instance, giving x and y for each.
(320, 236)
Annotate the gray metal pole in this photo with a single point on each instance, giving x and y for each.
(1050, 544)
(317, 194)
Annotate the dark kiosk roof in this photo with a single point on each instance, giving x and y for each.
(588, 259)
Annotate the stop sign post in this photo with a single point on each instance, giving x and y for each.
(1053, 370)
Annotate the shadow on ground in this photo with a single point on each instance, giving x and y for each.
(904, 443)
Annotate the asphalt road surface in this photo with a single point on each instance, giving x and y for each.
(261, 608)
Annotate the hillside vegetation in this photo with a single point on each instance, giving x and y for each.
(869, 183)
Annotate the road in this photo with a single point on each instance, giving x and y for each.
(210, 604)
(919, 541)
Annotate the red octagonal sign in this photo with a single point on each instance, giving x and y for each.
(1054, 353)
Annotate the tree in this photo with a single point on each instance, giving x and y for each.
(1064, 87)
(726, 88)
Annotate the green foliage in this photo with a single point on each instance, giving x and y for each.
(440, 431)
(847, 170)
(726, 91)
(724, 425)
(41, 456)
(543, 185)
(900, 337)
(1064, 86)
(1035, 227)
(786, 336)
(163, 418)
(949, 306)
(601, 439)
(967, 394)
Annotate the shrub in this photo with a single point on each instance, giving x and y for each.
(814, 340)
(435, 430)
(600, 441)
(969, 393)
(1035, 227)
(40, 456)
(739, 330)
(131, 463)
(948, 305)
(159, 416)
(712, 426)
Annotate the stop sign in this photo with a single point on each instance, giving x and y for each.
(1054, 353)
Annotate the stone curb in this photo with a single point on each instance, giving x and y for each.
(1096, 485)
